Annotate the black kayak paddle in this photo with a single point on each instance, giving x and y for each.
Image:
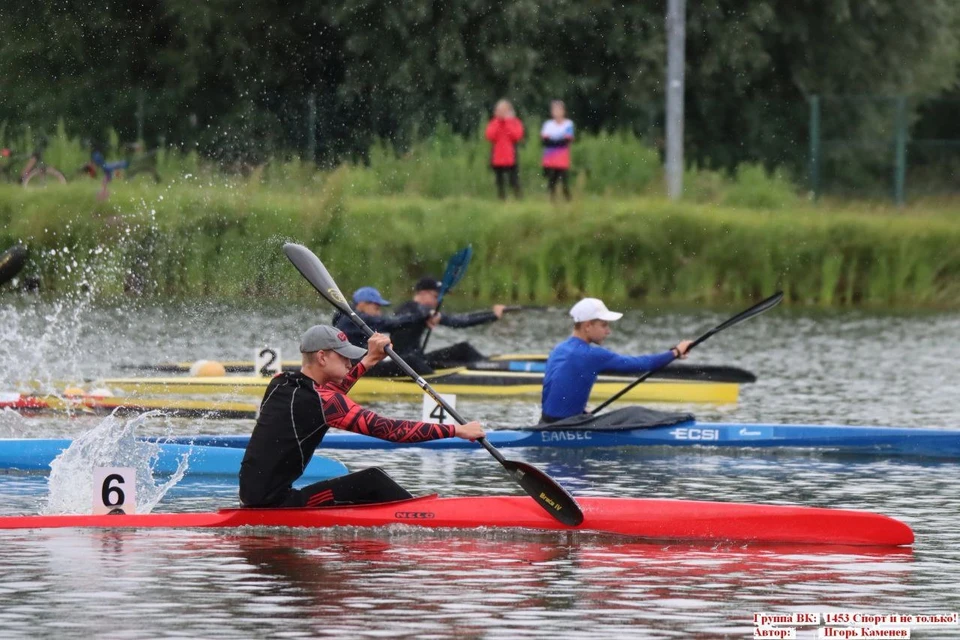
(541, 487)
(755, 310)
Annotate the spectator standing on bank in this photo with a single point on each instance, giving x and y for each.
(557, 134)
(504, 131)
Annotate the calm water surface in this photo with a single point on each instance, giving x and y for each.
(849, 368)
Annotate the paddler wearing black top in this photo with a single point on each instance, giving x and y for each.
(368, 303)
(297, 410)
(407, 340)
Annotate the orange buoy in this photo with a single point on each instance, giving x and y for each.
(207, 369)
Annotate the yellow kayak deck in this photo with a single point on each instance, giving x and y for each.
(460, 382)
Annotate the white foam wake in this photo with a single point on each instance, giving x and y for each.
(113, 443)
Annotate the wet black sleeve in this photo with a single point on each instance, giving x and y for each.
(463, 320)
(407, 337)
(386, 324)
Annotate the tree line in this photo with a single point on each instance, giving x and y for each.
(234, 79)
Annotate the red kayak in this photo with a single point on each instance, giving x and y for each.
(24, 404)
(653, 519)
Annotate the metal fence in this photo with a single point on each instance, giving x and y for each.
(890, 146)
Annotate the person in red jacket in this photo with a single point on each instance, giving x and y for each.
(504, 132)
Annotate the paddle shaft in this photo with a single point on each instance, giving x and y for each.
(426, 338)
(423, 384)
(757, 309)
(643, 377)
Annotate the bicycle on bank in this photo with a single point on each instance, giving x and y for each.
(135, 163)
(34, 173)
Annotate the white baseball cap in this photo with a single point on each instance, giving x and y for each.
(593, 309)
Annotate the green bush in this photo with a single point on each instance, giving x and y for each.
(755, 188)
(616, 164)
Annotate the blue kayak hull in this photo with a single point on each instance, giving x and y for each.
(37, 454)
(874, 441)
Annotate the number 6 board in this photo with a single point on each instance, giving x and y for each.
(114, 490)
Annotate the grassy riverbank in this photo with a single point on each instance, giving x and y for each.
(193, 240)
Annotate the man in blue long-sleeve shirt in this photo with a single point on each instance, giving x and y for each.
(575, 363)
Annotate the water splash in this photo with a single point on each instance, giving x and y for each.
(113, 443)
(12, 424)
(40, 343)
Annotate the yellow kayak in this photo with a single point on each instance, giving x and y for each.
(519, 362)
(462, 382)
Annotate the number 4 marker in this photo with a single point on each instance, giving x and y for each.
(433, 412)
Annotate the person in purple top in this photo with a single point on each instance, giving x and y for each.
(557, 136)
(575, 363)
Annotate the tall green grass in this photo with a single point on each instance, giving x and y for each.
(205, 239)
(443, 165)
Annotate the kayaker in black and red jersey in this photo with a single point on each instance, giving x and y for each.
(574, 364)
(407, 341)
(297, 410)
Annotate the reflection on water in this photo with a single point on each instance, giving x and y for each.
(345, 583)
(849, 369)
(400, 580)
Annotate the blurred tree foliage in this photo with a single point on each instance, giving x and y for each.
(232, 78)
